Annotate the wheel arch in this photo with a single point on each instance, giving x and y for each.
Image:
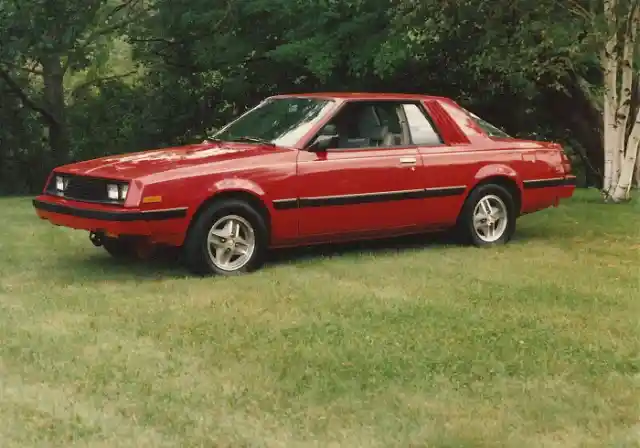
(243, 195)
(508, 182)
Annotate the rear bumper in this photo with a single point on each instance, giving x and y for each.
(565, 181)
(567, 187)
(541, 193)
(564, 186)
(164, 225)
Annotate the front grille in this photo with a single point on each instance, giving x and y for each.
(83, 188)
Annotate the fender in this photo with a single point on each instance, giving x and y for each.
(496, 170)
(500, 172)
(236, 184)
(232, 185)
(229, 185)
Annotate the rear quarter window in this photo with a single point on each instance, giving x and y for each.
(491, 130)
(462, 119)
(470, 123)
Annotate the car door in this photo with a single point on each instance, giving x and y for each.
(367, 183)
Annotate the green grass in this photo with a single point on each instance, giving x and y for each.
(533, 344)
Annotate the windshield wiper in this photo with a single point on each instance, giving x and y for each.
(247, 138)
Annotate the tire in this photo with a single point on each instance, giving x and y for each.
(200, 251)
(119, 249)
(473, 209)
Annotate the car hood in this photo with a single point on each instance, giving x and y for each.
(141, 164)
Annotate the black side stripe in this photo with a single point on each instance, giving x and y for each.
(545, 183)
(285, 204)
(353, 199)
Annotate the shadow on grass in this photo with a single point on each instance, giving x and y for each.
(99, 265)
(380, 246)
(167, 263)
(420, 241)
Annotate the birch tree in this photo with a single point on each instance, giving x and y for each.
(621, 131)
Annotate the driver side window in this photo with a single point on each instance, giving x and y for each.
(360, 125)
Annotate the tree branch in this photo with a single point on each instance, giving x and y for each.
(119, 8)
(28, 102)
(100, 80)
(153, 40)
(580, 10)
(32, 70)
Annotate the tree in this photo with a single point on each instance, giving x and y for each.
(42, 41)
(621, 128)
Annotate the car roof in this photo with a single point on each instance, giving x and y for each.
(363, 96)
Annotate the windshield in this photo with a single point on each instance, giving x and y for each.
(281, 121)
(487, 127)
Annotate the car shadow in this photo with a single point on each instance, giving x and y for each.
(167, 264)
(307, 253)
(100, 265)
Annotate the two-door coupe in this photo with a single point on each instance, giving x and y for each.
(312, 168)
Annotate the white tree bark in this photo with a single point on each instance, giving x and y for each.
(621, 154)
(624, 102)
(609, 61)
(622, 190)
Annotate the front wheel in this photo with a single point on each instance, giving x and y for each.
(228, 238)
(488, 216)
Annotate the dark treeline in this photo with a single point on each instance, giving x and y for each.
(85, 78)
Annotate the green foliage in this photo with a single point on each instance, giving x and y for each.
(31, 30)
(141, 74)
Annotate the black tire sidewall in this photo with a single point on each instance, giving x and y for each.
(465, 224)
(196, 254)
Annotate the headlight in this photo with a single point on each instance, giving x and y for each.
(61, 183)
(117, 192)
(113, 193)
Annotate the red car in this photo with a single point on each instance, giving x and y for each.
(312, 168)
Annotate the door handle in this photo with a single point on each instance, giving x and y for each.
(408, 160)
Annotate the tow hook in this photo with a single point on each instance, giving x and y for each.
(96, 238)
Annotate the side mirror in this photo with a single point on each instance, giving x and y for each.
(325, 139)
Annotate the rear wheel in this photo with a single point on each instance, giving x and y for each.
(488, 216)
(228, 238)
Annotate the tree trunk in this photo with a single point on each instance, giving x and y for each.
(628, 164)
(609, 63)
(610, 122)
(54, 99)
(621, 152)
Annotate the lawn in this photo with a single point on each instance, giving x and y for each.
(402, 343)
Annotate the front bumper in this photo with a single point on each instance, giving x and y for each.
(110, 220)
